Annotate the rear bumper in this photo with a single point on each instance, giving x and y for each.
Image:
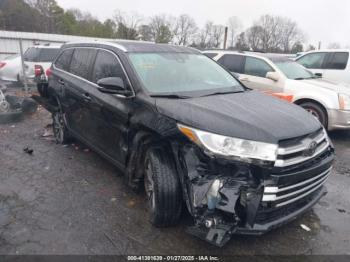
(338, 119)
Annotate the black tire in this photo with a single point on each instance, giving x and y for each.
(60, 130)
(162, 188)
(317, 111)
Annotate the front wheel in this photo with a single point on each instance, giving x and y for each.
(60, 130)
(162, 188)
(317, 111)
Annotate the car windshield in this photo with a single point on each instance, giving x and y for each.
(184, 74)
(293, 70)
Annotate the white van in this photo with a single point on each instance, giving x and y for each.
(331, 64)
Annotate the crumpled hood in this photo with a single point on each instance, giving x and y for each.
(249, 115)
(330, 85)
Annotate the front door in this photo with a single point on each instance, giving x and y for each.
(110, 112)
(254, 76)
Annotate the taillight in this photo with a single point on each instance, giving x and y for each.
(48, 72)
(38, 69)
(2, 64)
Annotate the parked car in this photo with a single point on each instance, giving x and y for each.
(11, 68)
(328, 101)
(38, 59)
(181, 126)
(331, 64)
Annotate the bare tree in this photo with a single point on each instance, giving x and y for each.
(205, 36)
(162, 27)
(254, 37)
(290, 35)
(127, 24)
(234, 26)
(185, 28)
(217, 34)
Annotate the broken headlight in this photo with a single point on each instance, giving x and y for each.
(229, 146)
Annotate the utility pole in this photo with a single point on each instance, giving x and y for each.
(225, 37)
(23, 66)
(319, 45)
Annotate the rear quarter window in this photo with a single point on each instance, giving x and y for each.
(31, 55)
(234, 63)
(337, 61)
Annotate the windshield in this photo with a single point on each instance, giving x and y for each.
(182, 73)
(293, 70)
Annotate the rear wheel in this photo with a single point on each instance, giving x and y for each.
(317, 111)
(60, 130)
(162, 188)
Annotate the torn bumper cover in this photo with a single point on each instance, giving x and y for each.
(228, 197)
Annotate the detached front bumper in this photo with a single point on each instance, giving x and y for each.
(338, 119)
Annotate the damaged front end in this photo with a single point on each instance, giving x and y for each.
(228, 196)
(220, 195)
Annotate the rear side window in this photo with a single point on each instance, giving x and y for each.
(48, 54)
(256, 67)
(338, 60)
(234, 63)
(210, 55)
(63, 60)
(32, 54)
(313, 61)
(107, 65)
(81, 61)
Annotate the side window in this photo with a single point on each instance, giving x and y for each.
(210, 55)
(256, 67)
(107, 65)
(81, 61)
(313, 61)
(338, 60)
(234, 63)
(63, 60)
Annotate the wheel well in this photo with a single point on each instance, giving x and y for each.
(138, 147)
(307, 100)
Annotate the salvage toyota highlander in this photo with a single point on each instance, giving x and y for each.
(188, 132)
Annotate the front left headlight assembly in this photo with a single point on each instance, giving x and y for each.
(344, 102)
(231, 147)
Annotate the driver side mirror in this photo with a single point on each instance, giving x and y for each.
(274, 76)
(112, 85)
(318, 74)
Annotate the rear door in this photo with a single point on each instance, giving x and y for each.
(110, 113)
(77, 89)
(254, 75)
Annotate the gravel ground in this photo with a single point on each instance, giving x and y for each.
(68, 200)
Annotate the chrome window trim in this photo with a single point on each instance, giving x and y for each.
(81, 78)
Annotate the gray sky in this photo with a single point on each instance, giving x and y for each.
(322, 20)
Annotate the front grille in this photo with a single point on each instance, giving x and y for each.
(266, 215)
(283, 195)
(296, 151)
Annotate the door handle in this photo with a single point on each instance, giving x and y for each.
(87, 97)
(61, 81)
(245, 79)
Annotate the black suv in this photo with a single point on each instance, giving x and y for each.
(181, 126)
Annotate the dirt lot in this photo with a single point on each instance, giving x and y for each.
(68, 200)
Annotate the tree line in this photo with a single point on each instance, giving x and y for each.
(268, 33)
